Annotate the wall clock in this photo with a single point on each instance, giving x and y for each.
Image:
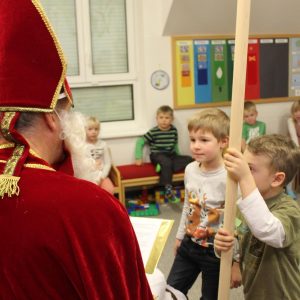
(160, 79)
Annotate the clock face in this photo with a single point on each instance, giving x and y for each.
(160, 79)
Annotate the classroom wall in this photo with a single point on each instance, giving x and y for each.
(156, 54)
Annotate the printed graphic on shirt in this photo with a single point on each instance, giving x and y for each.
(202, 221)
(253, 132)
(97, 153)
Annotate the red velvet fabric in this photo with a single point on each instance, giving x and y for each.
(31, 67)
(65, 238)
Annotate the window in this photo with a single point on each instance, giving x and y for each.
(97, 38)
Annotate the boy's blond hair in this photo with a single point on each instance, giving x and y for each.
(295, 107)
(212, 120)
(283, 153)
(249, 106)
(93, 120)
(165, 109)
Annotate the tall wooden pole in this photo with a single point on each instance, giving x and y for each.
(235, 136)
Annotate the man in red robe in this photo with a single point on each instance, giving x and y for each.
(61, 237)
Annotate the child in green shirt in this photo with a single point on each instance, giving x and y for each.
(268, 233)
(251, 126)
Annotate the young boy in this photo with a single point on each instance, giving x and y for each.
(163, 142)
(202, 215)
(251, 127)
(270, 221)
(98, 150)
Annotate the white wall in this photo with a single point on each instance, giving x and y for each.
(156, 54)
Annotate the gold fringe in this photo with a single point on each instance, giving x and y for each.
(9, 185)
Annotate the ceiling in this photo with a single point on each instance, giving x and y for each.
(210, 17)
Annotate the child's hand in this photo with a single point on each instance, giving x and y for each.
(223, 240)
(138, 162)
(236, 164)
(236, 275)
(176, 246)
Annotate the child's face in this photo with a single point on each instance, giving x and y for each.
(205, 147)
(260, 168)
(296, 116)
(164, 121)
(92, 132)
(250, 116)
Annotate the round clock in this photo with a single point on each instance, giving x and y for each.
(160, 79)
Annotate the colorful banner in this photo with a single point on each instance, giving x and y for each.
(252, 89)
(204, 69)
(203, 92)
(219, 71)
(185, 73)
(294, 67)
(274, 68)
(230, 60)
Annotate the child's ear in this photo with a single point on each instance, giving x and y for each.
(278, 180)
(224, 142)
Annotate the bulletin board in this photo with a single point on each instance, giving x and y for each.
(203, 70)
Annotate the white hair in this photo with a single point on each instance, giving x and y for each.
(74, 135)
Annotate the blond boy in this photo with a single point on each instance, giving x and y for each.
(270, 220)
(164, 152)
(202, 215)
(251, 126)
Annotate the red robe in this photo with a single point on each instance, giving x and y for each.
(65, 238)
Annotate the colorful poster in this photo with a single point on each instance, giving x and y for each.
(252, 88)
(219, 71)
(274, 68)
(203, 93)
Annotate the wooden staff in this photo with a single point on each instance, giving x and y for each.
(235, 136)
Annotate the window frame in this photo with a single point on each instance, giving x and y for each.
(111, 129)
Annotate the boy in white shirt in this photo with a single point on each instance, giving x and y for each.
(202, 215)
(270, 221)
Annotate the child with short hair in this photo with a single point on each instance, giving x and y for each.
(251, 126)
(99, 151)
(269, 220)
(202, 215)
(164, 152)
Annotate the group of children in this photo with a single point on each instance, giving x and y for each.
(266, 257)
(267, 236)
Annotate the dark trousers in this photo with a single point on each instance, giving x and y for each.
(169, 163)
(191, 260)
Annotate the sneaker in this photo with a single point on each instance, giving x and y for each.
(170, 196)
(168, 191)
(174, 199)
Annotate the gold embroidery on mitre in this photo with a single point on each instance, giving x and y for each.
(58, 48)
(9, 182)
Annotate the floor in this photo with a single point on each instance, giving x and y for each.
(173, 211)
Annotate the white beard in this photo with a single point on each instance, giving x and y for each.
(74, 136)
